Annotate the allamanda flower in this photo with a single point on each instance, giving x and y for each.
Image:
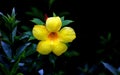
(52, 38)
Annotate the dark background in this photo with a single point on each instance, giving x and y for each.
(92, 19)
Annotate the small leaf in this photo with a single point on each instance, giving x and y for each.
(65, 13)
(102, 38)
(26, 28)
(1, 13)
(66, 22)
(26, 35)
(109, 36)
(31, 38)
(51, 2)
(113, 70)
(54, 15)
(14, 33)
(52, 59)
(35, 12)
(100, 51)
(62, 18)
(31, 50)
(7, 49)
(13, 12)
(71, 53)
(37, 21)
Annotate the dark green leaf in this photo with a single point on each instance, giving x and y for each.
(102, 38)
(52, 59)
(62, 18)
(31, 38)
(100, 51)
(15, 66)
(7, 49)
(36, 13)
(66, 22)
(26, 28)
(26, 35)
(71, 53)
(14, 33)
(51, 2)
(4, 69)
(109, 36)
(31, 50)
(65, 13)
(4, 36)
(21, 49)
(37, 21)
(113, 70)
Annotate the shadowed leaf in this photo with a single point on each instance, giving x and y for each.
(113, 70)
(37, 21)
(7, 49)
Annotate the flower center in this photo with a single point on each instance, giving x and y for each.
(53, 36)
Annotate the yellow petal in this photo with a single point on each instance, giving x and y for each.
(40, 32)
(53, 24)
(59, 48)
(44, 47)
(67, 34)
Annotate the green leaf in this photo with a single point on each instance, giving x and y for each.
(15, 66)
(65, 13)
(113, 70)
(109, 36)
(52, 59)
(100, 51)
(66, 22)
(26, 28)
(10, 21)
(4, 69)
(51, 2)
(62, 18)
(4, 36)
(102, 38)
(7, 49)
(13, 12)
(25, 35)
(31, 49)
(21, 49)
(71, 53)
(54, 15)
(14, 33)
(37, 21)
(36, 13)
(31, 38)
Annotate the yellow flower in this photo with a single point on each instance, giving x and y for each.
(52, 38)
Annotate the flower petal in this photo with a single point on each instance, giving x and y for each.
(40, 32)
(67, 34)
(59, 48)
(53, 24)
(44, 47)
